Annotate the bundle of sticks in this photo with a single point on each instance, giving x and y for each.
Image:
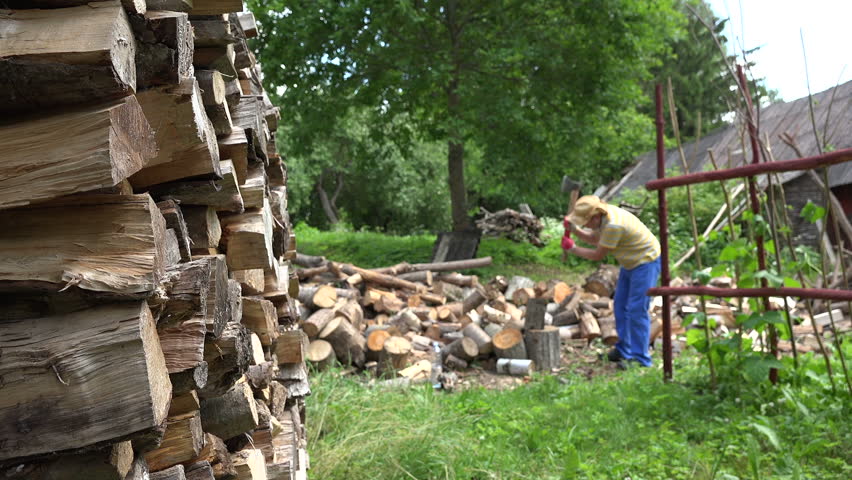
(517, 226)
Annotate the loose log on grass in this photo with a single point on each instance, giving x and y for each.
(347, 342)
(509, 343)
(543, 347)
(455, 363)
(320, 354)
(517, 367)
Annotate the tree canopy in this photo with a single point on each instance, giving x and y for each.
(519, 91)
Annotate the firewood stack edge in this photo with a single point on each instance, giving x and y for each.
(148, 326)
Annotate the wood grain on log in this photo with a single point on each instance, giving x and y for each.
(589, 327)
(114, 462)
(480, 337)
(222, 194)
(173, 215)
(602, 282)
(184, 403)
(216, 454)
(41, 49)
(227, 357)
(290, 347)
(509, 343)
(77, 151)
(183, 344)
(212, 87)
(249, 464)
(608, 332)
(199, 471)
(260, 317)
(181, 443)
(347, 342)
(51, 401)
(320, 354)
(252, 281)
(101, 243)
(173, 473)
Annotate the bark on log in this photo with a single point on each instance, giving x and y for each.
(216, 454)
(464, 348)
(231, 414)
(480, 337)
(523, 295)
(181, 443)
(105, 144)
(217, 57)
(517, 282)
(318, 296)
(517, 367)
(260, 317)
(164, 46)
(543, 347)
(223, 194)
(260, 376)
(212, 31)
(452, 265)
(352, 311)
(320, 354)
(220, 305)
(313, 325)
(534, 317)
(227, 357)
(476, 298)
(186, 286)
(424, 277)
(74, 242)
(188, 380)
(454, 363)
(212, 87)
(589, 327)
(203, 225)
(347, 342)
(199, 471)
(608, 332)
(173, 215)
(41, 49)
(509, 343)
(173, 473)
(458, 279)
(602, 282)
(50, 401)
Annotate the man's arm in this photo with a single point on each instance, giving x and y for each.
(589, 236)
(594, 254)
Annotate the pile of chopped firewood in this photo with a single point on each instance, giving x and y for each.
(395, 321)
(517, 226)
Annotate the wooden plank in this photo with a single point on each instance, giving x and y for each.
(74, 380)
(101, 243)
(43, 54)
(81, 150)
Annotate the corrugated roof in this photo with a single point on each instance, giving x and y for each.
(792, 118)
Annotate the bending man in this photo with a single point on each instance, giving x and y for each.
(637, 250)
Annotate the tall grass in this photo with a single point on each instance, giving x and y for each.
(634, 426)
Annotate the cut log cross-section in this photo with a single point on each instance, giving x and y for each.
(480, 337)
(290, 347)
(84, 149)
(247, 239)
(318, 296)
(181, 443)
(509, 343)
(320, 354)
(50, 398)
(602, 282)
(260, 317)
(101, 243)
(41, 50)
(174, 220)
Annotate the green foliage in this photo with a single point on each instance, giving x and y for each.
(633, 425)
(530, 90)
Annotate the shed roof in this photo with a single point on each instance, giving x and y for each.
(726, 143)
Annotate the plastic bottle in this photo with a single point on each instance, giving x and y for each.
(436, 366)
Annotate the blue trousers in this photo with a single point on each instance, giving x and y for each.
(631, 303)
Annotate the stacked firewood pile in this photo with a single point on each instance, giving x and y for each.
(396, 320)
(508, 223)
(147, 327)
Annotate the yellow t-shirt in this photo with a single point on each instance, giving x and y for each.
(631, 242)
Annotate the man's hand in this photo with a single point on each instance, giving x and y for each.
(567, 243)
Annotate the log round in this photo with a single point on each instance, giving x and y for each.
(320, 354)
(480, 337)
(376, 343)
(509, 343)
(515, 366)
(313, 325)
(602, 282)
(543, 347)
(395, 354)
(589, 328)
(464, 348)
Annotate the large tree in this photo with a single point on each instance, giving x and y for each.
(537, 86)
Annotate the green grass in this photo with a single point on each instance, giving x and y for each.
(630, 426)
(373, 250)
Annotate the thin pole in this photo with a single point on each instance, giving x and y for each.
(668, 371)
(755, 208)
